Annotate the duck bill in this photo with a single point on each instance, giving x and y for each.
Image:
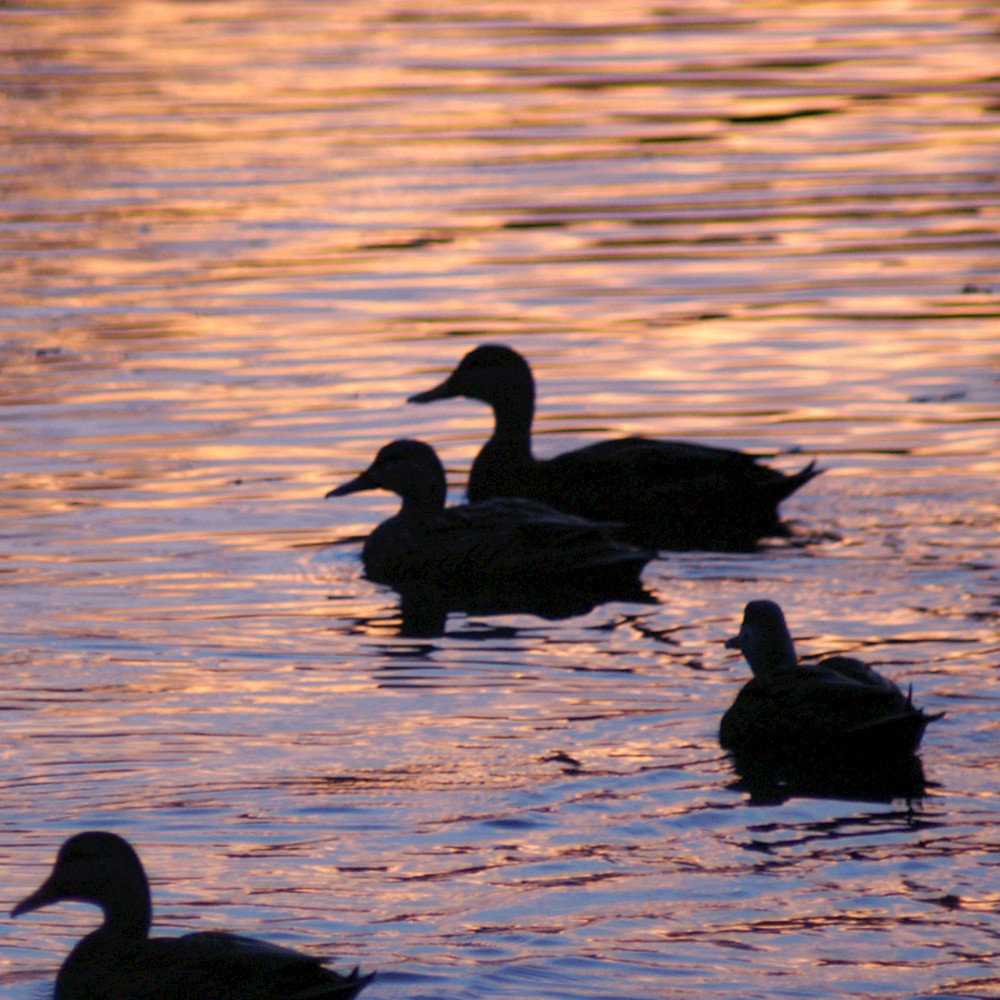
(47, 893)
(445, 390)
(735, 642)
(362, 482)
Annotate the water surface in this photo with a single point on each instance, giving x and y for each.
(237, 236)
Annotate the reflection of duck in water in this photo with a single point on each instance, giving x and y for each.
(670, 493)
(833, 707)
(119, 961)
(503, 548)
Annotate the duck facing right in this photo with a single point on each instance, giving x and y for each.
(827, 710)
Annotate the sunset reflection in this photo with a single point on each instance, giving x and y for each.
(238, 236)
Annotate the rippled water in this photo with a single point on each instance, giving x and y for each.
(236, 236)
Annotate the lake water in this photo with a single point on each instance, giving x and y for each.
(236, 236)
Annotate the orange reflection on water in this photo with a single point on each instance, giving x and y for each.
(238, 236)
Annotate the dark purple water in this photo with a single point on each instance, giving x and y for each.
(236, 237)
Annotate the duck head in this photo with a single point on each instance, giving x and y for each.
(410, 469)
(764, 639)
(102, 869)
(492, 373)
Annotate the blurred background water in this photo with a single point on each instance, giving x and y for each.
(237, 235)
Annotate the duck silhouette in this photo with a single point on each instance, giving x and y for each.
(500, 552)
(671, 494)
(120, 961)
(818, 710)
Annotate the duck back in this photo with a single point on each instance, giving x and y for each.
(818, 710)
(669, 494)
(208, 965)
(502, 538)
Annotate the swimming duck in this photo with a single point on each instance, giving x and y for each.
(508, 541)
(672, 494)
(838, 705)
(120, 961)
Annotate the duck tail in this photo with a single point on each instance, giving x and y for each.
(789, 484)
(350, 986)
(927, 716)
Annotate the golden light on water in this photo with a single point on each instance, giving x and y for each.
(238, 236)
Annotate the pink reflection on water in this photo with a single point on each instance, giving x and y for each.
(239, 238)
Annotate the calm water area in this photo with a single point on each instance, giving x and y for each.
(236, 235)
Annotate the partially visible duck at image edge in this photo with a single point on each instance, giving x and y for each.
(120, 961)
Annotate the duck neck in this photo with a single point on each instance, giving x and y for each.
(512, 419)
(770, 655)
(423, 500)
(127, 908)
